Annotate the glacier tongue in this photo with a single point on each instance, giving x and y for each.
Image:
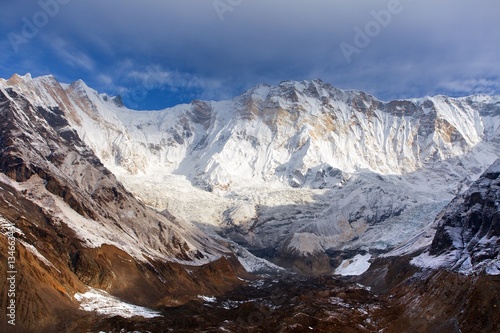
(300, 167)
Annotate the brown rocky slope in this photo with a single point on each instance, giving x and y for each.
(75, 226)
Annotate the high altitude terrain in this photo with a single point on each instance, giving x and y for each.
(299, 177)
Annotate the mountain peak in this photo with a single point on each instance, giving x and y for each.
(82, 88)
(304, 84)
(79, 83)
(16, 78)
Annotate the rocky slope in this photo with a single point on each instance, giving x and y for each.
(467, 236)
(78, 231)
(452, 285)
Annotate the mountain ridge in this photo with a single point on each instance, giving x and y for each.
(78, 87)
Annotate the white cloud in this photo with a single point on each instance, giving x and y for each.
(472, 86)
(428, 48)
(71, 55)
(155, 77)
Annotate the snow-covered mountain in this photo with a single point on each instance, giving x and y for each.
(127, 214)
(43, 153)
(70, 232)
(296, 170)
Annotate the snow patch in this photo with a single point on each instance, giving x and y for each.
(493, 268)
(253, 264)
(354, 266)
(107, 305)
(208, 299)
(425, 260)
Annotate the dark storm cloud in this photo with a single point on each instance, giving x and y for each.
(218, 48)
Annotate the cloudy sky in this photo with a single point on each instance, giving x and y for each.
(157, 53)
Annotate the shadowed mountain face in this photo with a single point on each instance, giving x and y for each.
(314, 179)
(468, 236)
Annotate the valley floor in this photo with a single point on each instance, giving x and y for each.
(401, 298)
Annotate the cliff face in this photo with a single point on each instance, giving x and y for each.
(469, 229)
(75, 227)
(467, 235)
(454, 284)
